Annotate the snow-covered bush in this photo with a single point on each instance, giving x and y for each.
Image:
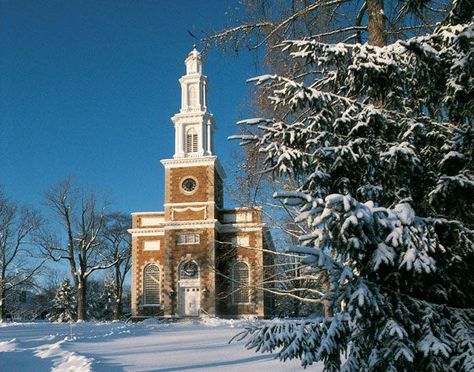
(383, 138)
(64, 304)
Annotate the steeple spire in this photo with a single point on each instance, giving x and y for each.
(193, 62)
(193, 124)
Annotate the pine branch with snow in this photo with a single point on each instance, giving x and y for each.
(383, 139)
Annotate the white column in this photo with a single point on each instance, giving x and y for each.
(181, 140)
(176, 136)
(201, 140)
(183, 96)
(209, 150)
(199, 96)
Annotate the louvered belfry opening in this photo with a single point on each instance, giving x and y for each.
(191, 141)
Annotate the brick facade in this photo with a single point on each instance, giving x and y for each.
(195, 257)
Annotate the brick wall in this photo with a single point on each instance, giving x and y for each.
(141, 258)
(204, 178)
(226, 255)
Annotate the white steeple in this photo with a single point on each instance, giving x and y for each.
(193, 124)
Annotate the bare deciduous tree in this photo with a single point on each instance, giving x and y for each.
(118, 248)
(17, 265)
(81, 218)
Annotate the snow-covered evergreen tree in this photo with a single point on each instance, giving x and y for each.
(64, 304)
(384, 140)
(101, 299)
(108, 298)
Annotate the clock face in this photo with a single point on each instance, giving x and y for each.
(189, 185)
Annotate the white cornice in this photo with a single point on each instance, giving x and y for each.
(184, 114)
(194, 76)
(193, 224)
(189, 203)
(194, 162)
(235, 227)
(147, 232)
(197, 224)
(228, 210)
(188, 161)
(146, 213)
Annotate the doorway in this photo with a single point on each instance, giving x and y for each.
(189, 289)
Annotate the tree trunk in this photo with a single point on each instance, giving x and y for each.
(376, 22)
(327, 308)
(118, 291)
(118, 302)
(2, 304)
(82, 299)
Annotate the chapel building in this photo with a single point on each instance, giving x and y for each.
(196, 257)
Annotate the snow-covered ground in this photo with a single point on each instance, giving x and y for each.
(147, 346)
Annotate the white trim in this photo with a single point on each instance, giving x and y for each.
(160, 284)
(147, 213)
(193, 209)
(234, 282)
(147, 232)
(188, 283)
(190, 162)
(193, 224)
(194, 162)
(152, 245)
(152, 221)
(189, 203)
(196, 187)
(225, 210)
(185, 236)
(239, 217)
(248, 227)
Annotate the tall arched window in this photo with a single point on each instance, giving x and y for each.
(191, 140)
(151, 285)
(192, 96)
(240, 283)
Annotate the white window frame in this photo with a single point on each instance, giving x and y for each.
(146, 284)
(192, 140)
(241, 241)
(188, 238)
(192, 96)
(152, 245)
(237, 286)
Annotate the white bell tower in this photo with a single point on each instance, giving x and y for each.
(193, 124)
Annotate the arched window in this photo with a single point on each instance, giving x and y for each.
(191, 140)
(240, 283)
(192, 96)
(189, 270)
(151, 285)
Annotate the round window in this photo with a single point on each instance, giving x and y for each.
(189, 185)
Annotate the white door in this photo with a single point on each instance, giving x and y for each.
(189, 293)
(190, 301)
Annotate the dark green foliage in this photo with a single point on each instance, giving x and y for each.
(383, 140)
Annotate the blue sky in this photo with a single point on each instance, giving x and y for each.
(87, 89)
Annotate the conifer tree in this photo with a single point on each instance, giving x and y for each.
(64, 304)
(383, 138)
(108, 298)
(101, 299)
